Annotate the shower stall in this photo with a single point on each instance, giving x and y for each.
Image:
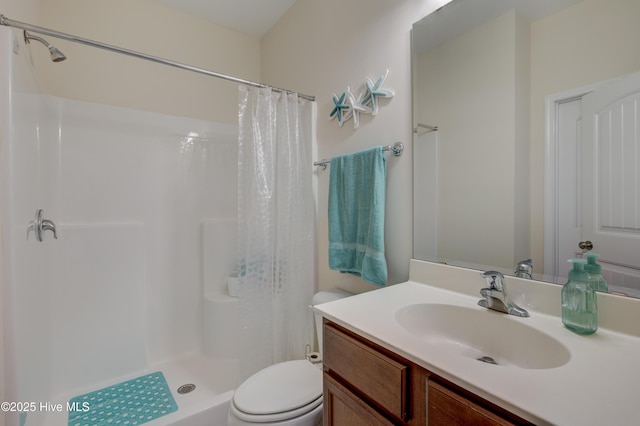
(143, 206)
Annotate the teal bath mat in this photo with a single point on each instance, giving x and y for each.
(129, 403)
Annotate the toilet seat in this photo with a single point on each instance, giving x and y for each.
(280, 392)
(276, 417)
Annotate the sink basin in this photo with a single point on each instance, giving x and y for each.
(483, 335)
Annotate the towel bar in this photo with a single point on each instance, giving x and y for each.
(396, 149)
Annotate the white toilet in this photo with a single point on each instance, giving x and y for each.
(287, 393)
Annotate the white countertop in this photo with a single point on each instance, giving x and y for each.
(599, 385)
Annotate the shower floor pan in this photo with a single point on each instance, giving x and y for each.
(202, 388)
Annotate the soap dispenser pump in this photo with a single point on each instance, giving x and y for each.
(579, 302)
(595, 272)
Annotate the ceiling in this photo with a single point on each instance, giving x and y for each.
(253, 17)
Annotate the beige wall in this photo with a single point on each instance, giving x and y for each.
(100, 76)
(593, 41)
(20, 10)
(321, 47)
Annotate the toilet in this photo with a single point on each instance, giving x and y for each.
(286, 393)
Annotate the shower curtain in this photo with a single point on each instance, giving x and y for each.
(276, 222)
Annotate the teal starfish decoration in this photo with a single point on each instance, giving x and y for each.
(339, 107)
(374, 91)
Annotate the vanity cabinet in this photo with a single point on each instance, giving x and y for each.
(366, 384)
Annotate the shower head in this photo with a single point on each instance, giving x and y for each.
(56, 55)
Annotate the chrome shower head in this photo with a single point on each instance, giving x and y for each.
(56, 55)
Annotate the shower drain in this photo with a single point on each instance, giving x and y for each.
(186, 388)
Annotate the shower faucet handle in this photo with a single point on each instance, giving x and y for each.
(38, 225)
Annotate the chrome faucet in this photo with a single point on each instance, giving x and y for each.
(495, 296)
(524, 269)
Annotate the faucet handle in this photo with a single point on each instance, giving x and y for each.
(495, 280)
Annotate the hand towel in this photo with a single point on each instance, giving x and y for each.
(357, 190)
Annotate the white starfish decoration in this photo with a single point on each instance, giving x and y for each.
(375, 91)
(357, 107)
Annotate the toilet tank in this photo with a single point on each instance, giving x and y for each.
(324, 297)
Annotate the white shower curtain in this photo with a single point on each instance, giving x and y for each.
(276, 222)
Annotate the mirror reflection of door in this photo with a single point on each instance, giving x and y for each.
(599, 143)
(569, 218)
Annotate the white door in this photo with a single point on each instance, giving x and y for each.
(611, 176)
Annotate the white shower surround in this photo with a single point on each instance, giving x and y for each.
(120, 292)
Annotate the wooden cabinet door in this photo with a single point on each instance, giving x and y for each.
(343, 408)
(379, 378)
(448, 408)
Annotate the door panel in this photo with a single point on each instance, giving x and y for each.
(611, 173)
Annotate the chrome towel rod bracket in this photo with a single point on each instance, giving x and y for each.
(427, 128)
(396, 149)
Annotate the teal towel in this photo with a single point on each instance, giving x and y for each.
(357, 190)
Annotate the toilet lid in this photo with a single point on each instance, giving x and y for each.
(282, 387)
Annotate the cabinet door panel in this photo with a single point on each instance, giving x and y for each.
(380, 378)
(343, 408)
(447, 408)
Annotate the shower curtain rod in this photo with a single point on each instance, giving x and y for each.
(41, 30)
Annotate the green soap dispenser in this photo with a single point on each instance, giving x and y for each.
(579, 302)
(595, 272)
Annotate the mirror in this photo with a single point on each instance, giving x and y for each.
(489, 80)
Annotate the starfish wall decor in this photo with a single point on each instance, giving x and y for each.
(348, 105)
